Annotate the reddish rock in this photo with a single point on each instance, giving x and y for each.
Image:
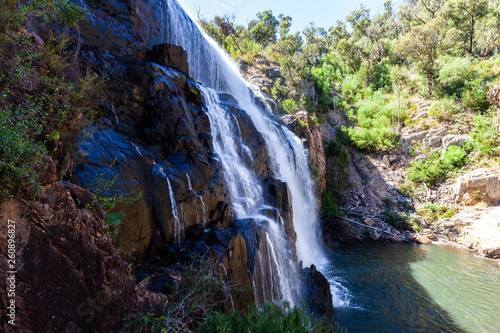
(69, 276)
(46, 169)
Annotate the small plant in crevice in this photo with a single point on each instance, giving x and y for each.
(109, 201)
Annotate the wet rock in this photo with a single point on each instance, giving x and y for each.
(317, 293)
(173, 55)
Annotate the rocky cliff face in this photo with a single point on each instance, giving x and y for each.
(155, 139)
(69, 276)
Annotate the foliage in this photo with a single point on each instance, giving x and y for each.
(436, 166)
(43, 94)
(199, 292)
(401, 221)
(289, 106)
(454, 73)
(18, 153)
(110, 201)
(329, 206)
(337, 175)
(434, 212)
(272, 318)
(485, 134)
(476, 97)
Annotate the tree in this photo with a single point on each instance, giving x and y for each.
(284, 25)
(264, 29)
(464, 15)
(418, 12)
(423, 44)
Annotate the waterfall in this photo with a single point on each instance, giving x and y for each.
(199, 198)
(217, 73)
(178, 226)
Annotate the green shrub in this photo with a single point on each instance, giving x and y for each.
(485, 136)
(329, 206)
(337, 176)
(268, 318)
(433, 212)
(41, 111)
(476, 96)
(401, 221)
(376, 139)
(18, 153)
(436, 166)
(289, 106)
(454, 72)
(444, 108)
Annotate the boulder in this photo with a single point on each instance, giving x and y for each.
(480, 184)
(317, 293)
(454, 140)
(494, 94)
(227, 29)
(46, 170)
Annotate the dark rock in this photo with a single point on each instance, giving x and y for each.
(317, 293)
(227, 29)
(67, 268)
(173, 55)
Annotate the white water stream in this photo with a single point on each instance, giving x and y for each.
(217, 73)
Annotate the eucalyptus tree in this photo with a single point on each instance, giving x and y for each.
(465, 15)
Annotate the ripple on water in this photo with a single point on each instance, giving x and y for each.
(410, 288)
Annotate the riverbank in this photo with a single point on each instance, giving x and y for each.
(475, 228)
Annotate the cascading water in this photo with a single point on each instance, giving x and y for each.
(218, 74)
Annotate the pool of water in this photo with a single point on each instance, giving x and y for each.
(381, 287)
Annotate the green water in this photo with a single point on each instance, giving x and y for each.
(410, 288)
(466, 286)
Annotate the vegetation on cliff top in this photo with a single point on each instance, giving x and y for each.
(422, 65)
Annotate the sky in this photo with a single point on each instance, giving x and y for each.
(324, 13)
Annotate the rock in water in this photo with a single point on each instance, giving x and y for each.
(317, 293)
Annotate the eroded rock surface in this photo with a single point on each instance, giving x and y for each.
(69, 276)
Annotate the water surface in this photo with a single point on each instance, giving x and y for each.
(410, 288)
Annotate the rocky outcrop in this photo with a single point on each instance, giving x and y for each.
(159, 140)
(478, 185)
(227, 29)
(477, 229)
(172, 55)
(65, 265)
(494, 95)
(317, 293)
(124, 28)
(314, 142)
(262, 73)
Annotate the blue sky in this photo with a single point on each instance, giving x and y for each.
(324, 13)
